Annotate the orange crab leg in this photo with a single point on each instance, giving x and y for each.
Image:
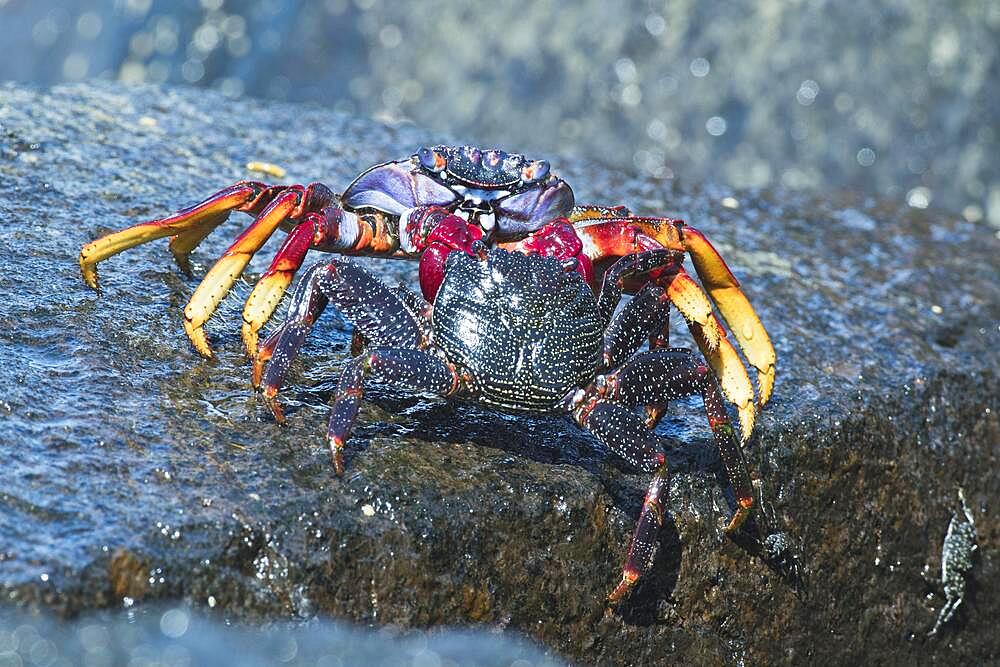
(735, 308)
(614, 237)
(727, 366)
(273, 283)
(188, 227)
(221, 277)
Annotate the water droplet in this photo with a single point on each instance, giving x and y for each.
(716, 126)
(919, 197)
(700, 67)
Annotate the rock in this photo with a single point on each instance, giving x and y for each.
(136, 469)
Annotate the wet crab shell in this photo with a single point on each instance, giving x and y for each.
(491, 188)
(526, 330)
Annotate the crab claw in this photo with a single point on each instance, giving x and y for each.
(221, 277)
(729, 369)
(188, 227)
(694, 305)
(725, 291)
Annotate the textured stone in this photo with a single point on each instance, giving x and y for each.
(127, 453)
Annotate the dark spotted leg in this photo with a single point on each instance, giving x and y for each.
(383, 315)
(660, 376)
(624, 433)
(659, 340)
(627, 267)
(410, 369)
(641, 318)
(646, 315)
(655, 378)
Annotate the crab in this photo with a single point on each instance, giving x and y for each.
(507, 212)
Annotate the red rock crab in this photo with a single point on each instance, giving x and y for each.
(509, 267)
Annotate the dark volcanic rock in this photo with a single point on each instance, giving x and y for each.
(135, 469)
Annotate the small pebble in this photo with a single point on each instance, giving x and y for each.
(266, 168)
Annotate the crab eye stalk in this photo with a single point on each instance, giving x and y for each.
(536, 170)
(473, 154)
(431, 159)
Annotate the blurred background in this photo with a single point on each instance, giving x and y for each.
(897, 98)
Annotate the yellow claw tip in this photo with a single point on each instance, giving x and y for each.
(748, 414)
(765, 385)
(249, 335)
(198, 338)
(89, 272)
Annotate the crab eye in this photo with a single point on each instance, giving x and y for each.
(431, 159)
(534, 171)
(492, 158)
(473, 154)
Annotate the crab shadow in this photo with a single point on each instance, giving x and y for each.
(555, 440)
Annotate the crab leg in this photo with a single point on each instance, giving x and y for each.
(646, 315)
(623, 432)
(615, 237)
(735, 308)
(678, 375)
(330, 230)
(381, 314)
(641, 317)
(659, 339)
(223, 274)
(653, 378)
(188, 227)
(413, 369)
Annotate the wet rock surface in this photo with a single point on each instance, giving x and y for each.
(136, 470)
